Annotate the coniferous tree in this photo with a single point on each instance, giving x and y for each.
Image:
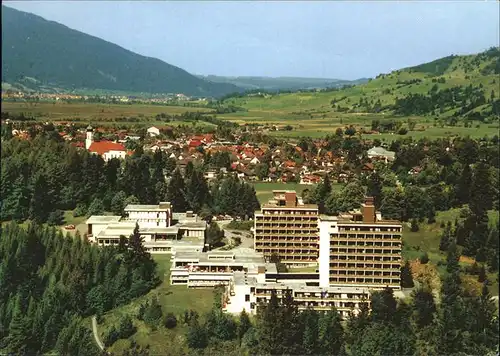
(176, 192)
(40, 203)
(406, 277)
(452, 259)
(482, 274)
(96, 207)
(375, 189)
(269, 327)
(481, 193)
(446, 237)
(197, 192)
(153, 313)
(383, 305)
(424, 307)
(492, 253)
(322, 192)
(330, 333)
(197, 337)
(462, 189)
(357, 323)
(244, 324)
(118, 203)
(310, 337)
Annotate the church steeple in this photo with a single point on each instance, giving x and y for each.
(89, 139)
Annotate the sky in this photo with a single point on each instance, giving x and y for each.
(324, 39)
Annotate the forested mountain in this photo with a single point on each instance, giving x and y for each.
(41, 54)
(282, 83)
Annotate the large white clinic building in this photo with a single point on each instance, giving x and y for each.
(357, 253)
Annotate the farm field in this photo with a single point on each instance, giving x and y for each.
(175, 299)
(320, 125)
(61, 111)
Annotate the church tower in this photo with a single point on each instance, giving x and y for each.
(89, 139)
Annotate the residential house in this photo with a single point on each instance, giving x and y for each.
(153, 131)
(380, 153)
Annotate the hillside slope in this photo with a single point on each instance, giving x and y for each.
(454, 86)
(37, 53)
(282, 83)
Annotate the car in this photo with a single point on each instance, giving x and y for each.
(70, 227)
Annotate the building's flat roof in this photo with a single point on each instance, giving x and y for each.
(103, 219)
(193, 225)
(204, 258)
(375, 223)
(298, 206)
(328, 218)
(160, 230)
(116, 232)
(141, 207)
(183, 218)
(303, 287)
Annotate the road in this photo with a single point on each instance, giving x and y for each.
(96, 334)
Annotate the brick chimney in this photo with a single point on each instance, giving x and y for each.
(290, 199)
(368, 210)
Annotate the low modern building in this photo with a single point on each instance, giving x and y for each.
(249, 293)
(288, 228)
(212, 268)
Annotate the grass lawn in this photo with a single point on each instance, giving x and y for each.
(175, 299)
(70, 219)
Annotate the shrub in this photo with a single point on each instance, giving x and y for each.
(240, 225)
(80, 210)
(56, 218)
(170, 321)
(111, 336)
(153, 313)
(141, 310)
(414, 225)
(126, 328)
(424, 258)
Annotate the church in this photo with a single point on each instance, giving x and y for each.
(106, 149)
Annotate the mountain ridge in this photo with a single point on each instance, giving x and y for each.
(282, 82)
(42, 53)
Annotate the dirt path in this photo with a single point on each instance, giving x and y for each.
(96, 334)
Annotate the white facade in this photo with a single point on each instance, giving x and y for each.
(153, 131)
(212, 268)
(150, 215)
(113, 154)
(249, 293)
(326, 226)
(89, 137)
